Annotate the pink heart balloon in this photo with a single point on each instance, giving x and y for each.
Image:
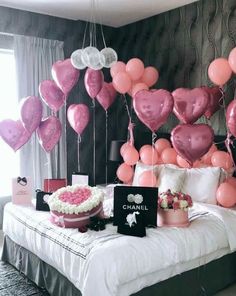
(107, 95)
(192, 141)
(78, 117)
(65, 75)
(231, 117)
(31, 110)
(189, 104)
(153, 107)
(49, 132)
(14, 133)
(214, 97)
(51, 94)
(93, 81)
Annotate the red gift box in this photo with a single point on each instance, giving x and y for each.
(51, 185)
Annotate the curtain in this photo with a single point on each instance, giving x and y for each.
(34, 58)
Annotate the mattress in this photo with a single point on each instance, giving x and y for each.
(109, 263)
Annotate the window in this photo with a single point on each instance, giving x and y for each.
(9, 160)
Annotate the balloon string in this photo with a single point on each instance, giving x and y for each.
(127, 107)
(154, 136)
(131, 132)
(229, 142)
(106, 145)
(78, 142)
(48, 170)
(94, 143)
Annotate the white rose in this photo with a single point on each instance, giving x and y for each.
(183, 204)
(164, 204)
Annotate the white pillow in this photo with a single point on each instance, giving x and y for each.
(171, 177)
(202, 183)
(140, 168)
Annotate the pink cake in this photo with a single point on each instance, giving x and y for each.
(72, 206)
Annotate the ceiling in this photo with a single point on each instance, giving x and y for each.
(114, 13)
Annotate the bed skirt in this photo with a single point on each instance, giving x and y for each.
(205, 280)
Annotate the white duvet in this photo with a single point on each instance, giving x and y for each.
(106, 263)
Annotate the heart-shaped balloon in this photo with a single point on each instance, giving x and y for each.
(65, 75)
(51, 94)
(107, 95)
(78, 117)
(31, 110)
(153, 107)
(214, 97)
(189, 104)
(49, 132)
(192, 141)
(93, 81)
(14, 133)
(231, 117)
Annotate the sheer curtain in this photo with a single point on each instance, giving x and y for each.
(34, 58)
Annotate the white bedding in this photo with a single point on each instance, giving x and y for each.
(106, 263)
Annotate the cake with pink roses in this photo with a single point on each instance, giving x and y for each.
(72, 206)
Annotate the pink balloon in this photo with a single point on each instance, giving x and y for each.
(116, 68)
(78, 117)
(31, 111)
(192, 141)
(130, 155)
(93, 81)
(122, 82)
(189, 104)
(137, 87)
(169, 156)
(125, 172)
(214, 97)
(135, 68)
(107, 95)
(14, 133)
(226, 195)
(206, 159)
(221, 159)
(51, 94)
(65, 75)
(49, 132)
(219, 71)
(153, 107)
(150, 76)
(124, 146)
(148, 155)
(232, 59)
(231, 117)
(182, 162)
(231, 181)
(162, 144)
(147, 179)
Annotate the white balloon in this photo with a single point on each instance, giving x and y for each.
(76, 59)
(108, 57)
(91, 58)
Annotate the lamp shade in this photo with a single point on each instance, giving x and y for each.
(115, 150)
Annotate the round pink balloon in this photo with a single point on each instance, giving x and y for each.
(214, 97)
(130, 155)
(124, 146)
(232, 59)
(226, 195)
(65, 75)
(219, 71)
(135, 68)
(14, 133)
(78, 117)
(49, 132)
(137, 87)
(169, 156)
(148, 155)
(107, 95)
(93, 81)
(153, 107)
(231, 117)
(161, 144)
(192, 141)
(122, 82)
(116, 68)
(221, 159)
(125, 172)
(189, 104)
(52, 94)
(150, 76)
(31, 111)
(147, 179)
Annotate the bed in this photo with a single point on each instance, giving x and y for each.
(198, 260)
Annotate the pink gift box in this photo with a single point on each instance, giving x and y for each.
(21, 191)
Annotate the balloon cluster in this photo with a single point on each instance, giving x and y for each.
(133, 77)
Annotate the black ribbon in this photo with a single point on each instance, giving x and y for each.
(22, 181)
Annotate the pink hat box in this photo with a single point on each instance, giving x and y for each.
(75, 220)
